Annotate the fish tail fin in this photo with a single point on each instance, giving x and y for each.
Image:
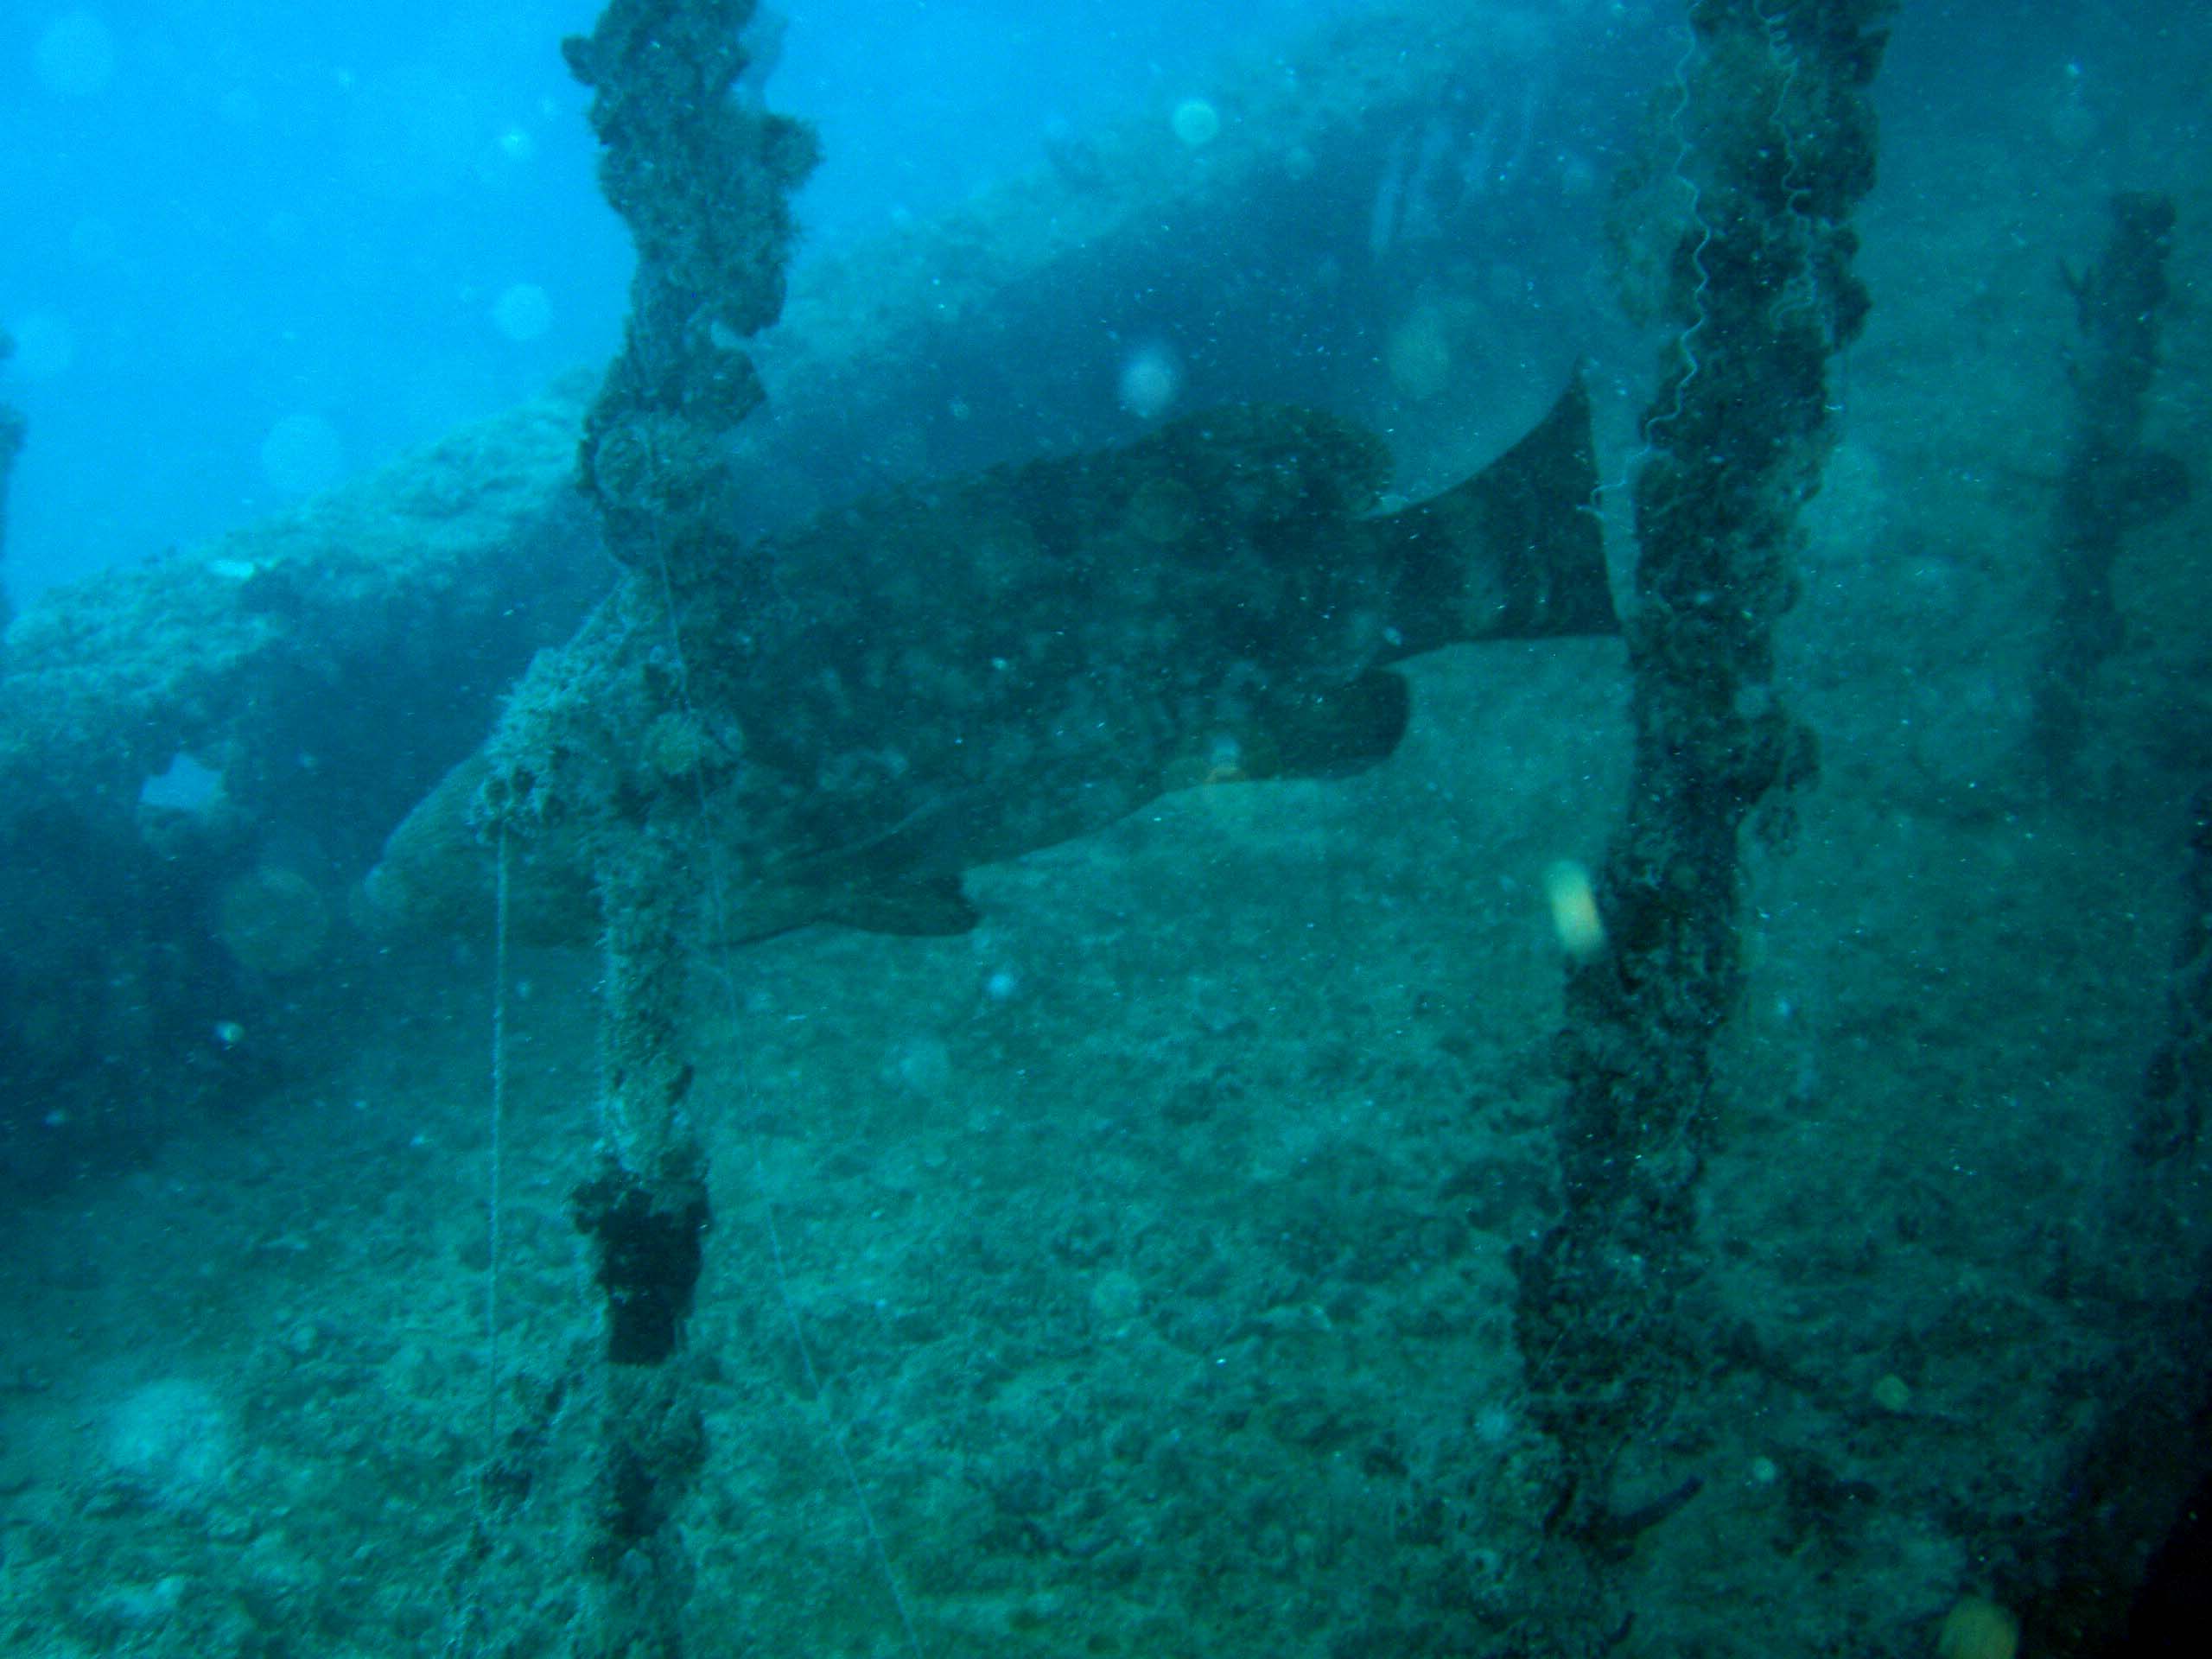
(1516, 552)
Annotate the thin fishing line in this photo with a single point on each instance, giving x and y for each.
(464, 1636)
(1802, 293)
(498, 1140)
(1647, 448)
(718, 900)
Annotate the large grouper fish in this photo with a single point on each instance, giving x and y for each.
(856, 711)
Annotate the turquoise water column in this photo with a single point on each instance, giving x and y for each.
(1773, 142)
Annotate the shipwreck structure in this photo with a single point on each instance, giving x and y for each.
(1773, 140)
(2113, 483)
(831, 722)
(196, 756)
(1171, 1272)
(206, 735)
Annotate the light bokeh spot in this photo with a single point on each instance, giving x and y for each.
(524, 312)
(302, 454)
(1151, 380)
(1196, 122)
(1574, 904)
(75, 57)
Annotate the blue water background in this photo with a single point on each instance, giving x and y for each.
(248, 247)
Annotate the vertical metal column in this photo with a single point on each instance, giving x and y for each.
(1776, 142)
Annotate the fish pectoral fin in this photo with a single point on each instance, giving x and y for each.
(930, 906)
(1337, 731)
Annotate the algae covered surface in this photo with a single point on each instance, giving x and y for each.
(1133, 1272)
